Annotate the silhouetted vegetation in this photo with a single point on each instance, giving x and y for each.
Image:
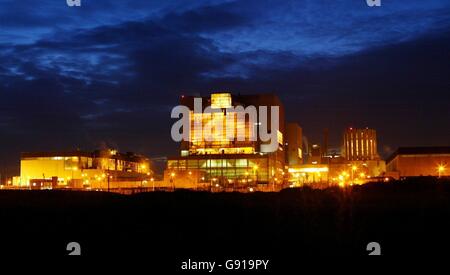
(405, 217)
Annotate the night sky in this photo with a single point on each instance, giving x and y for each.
(108, 73)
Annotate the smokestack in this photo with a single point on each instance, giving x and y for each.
(325, 142)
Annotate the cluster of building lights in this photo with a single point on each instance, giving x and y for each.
(350, 177)
(214, 181)
(441, 169)
(222, 163)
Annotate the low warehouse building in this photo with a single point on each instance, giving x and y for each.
(419, 161)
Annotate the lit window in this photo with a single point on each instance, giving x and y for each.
(220, 100)
(280, 137)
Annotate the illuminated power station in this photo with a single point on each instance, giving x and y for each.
(360, 144)
(211, 160)
(226, 143)
(102, 169)
(294, 144)
(419, 161)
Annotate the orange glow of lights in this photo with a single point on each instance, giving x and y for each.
(220, 100)
(308, 169)
(440, 169)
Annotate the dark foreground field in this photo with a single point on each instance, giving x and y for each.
(405, 218)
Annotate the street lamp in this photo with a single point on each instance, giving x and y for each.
(73, 169)
(354, 168)
(142, 184)
(297, 177)
(441, 168)
(172, 175)
(202, 183)
(256, 172)
(246, 177)
(109, 178)
(211, 184)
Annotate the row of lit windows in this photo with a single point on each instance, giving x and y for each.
(207, 120)
(221, 100)
(232, 150)
(75, 163)
(360, 147)
(211, 163)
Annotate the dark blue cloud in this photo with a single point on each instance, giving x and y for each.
(110, 71)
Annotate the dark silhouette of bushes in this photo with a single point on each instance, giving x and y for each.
(406, 217)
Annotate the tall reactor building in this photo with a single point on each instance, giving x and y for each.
(360, 151)
(360, 144)
(225, 163)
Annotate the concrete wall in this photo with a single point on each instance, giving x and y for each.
(419, 165)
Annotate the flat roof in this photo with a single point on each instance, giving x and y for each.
(219, 156)
(434, 150)
(237, 99)
(129, 156)
(55, 154)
